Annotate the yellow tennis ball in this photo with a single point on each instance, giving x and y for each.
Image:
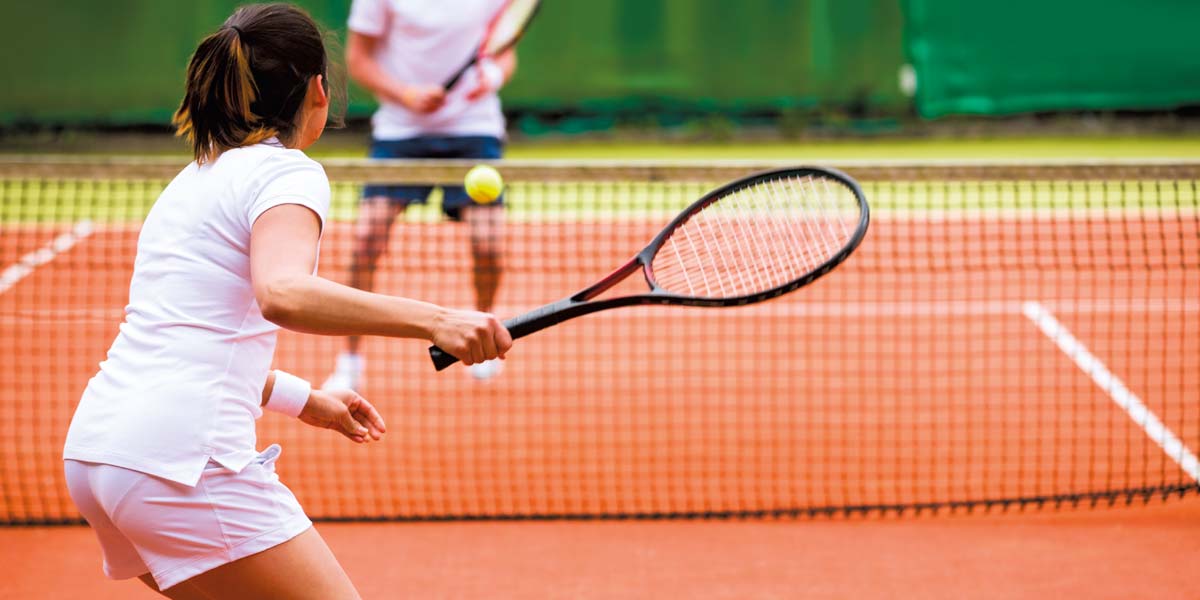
(483, 184)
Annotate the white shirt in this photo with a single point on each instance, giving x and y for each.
(183, 380)
(426, 42)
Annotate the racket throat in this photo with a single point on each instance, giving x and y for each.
(609, 281)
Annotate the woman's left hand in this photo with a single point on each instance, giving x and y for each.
(345, 412)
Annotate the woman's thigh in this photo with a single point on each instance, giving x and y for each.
(301, 568)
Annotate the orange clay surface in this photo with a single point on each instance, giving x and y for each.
(1136, 552)
(1120, 552)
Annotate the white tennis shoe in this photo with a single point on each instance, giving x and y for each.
(347, 373)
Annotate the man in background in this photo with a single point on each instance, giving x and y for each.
(403, 51)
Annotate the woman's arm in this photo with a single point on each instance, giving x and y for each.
(343, 411)
(283, 252)
(363, 68)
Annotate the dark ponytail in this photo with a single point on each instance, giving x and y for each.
(247, 81)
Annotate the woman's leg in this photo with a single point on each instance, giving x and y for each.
(182, 591)
(301, 568)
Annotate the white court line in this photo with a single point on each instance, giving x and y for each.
(1114, 387)
(18, 270)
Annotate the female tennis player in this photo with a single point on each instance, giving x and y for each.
(161, 454)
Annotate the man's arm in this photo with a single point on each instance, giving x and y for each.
(366, 70)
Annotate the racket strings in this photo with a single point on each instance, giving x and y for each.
(758, 238)
(509, 24)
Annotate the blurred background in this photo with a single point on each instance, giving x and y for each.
(766, 71)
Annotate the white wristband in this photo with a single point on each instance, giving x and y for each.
(289, 395)
(491, 74)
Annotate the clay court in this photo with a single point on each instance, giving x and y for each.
(982, 401)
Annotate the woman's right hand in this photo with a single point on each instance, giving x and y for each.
(471, 336)
(422, 99)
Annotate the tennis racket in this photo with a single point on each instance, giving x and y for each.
(502, 33)
(748, 241)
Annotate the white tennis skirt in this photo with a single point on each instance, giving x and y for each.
(151, 525)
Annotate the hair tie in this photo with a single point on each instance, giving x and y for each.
(238, 30)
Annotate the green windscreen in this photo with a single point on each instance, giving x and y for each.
(123, 62)
(1038, 55)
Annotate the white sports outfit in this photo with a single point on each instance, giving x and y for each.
(174, 531)
(425, 42)
(182, 385)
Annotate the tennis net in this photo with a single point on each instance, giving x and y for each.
(1006, 336)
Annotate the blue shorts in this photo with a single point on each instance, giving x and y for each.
(454, 197)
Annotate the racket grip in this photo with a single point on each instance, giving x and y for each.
(441, 358)
(453, 81)
(518, 327)
(521, 326)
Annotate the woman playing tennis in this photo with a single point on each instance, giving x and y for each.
(161, 455)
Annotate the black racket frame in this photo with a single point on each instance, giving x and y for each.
(581, 303)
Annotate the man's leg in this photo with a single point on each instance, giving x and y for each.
(371, 234)
(486, 225)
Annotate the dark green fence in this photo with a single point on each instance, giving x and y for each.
(121, 62)
(1042, 55)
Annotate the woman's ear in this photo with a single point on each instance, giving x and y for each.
(318, 96)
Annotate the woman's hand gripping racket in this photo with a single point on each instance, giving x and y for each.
(749, 241)
(502, 33)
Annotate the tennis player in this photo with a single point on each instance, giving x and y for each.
(161, 454)
(403, 52)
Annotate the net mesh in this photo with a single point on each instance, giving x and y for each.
(757, 238)
(1005, 336)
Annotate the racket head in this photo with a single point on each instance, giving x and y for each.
(757, 238)
(508, 26)
(808, 219)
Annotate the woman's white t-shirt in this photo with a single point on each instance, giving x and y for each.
(183, 380)
(425, 42)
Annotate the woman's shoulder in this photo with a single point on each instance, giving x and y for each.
(291, 159)
(266, 162)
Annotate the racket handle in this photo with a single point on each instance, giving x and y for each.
(441, 358)
(538, 318)
(450, 83)
(522, 325)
